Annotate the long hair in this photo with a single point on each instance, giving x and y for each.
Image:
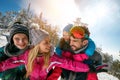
(31, 57)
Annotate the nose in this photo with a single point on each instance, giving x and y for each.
(71, 42)
(49, 45)
(21, 41)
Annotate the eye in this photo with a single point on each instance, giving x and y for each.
(17, 39)
(75, 40)
(25, 38)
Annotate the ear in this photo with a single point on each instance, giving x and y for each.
(85, 42)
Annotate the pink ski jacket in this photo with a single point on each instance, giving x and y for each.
(39, 73)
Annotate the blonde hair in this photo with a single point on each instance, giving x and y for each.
(31, 57)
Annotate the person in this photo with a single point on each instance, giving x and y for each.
(64, 45)
(79, 42)
(18, 42)
(38, 59)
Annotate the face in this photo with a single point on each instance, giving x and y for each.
(66, 36)
(45, 45)
(20, 40)
(77, 44)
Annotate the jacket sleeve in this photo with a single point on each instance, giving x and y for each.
(80, 57)
(58, 51)
(91, 47)
(68, 64)
(3, 56)
(67, 54)
(12, 62)
(56, 73)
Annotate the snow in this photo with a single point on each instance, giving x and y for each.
(3, 41)
(101, 76)
(106, 76)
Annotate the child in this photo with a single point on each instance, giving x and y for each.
(63, 44)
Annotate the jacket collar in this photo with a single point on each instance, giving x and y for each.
(80, 50)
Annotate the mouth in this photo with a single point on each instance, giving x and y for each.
(73, 47)
(48, 49)
(22, 46)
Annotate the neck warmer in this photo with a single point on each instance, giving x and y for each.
(11, 50)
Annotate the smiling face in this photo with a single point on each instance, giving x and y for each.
(77, 44)
(66, 36)
(45, 45)
(20, 40)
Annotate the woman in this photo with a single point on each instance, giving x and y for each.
(17, 44)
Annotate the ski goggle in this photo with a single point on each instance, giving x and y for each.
(78, 32)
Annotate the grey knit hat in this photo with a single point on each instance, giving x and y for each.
(18, 28)
(68, 27)
(37, 35)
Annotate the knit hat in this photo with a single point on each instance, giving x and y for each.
(37, 35)
(68, 27)
(18, 28)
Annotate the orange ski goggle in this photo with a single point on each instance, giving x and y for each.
(78, 32)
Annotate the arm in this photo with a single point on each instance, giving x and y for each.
(58, 51)
(91, 47)
(68, 64)
(80, 57)
(13, 62)
(55, 74)
(3, 56)
(67, 54)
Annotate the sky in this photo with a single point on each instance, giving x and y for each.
(102, 17)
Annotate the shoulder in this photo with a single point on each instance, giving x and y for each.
(2, 53)
(2, 49)
(96, 57)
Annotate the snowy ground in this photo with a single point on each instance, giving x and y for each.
(101, 76)
(104, 76)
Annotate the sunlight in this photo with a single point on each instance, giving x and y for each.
(101, 10)
(95, 13)
(62, 12)
(56, 12)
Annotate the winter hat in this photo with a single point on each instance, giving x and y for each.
(68, 27)
(37, 35)
(18, 28)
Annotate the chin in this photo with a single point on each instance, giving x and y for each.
(47, 51)
(21, 47)
(72, 48)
